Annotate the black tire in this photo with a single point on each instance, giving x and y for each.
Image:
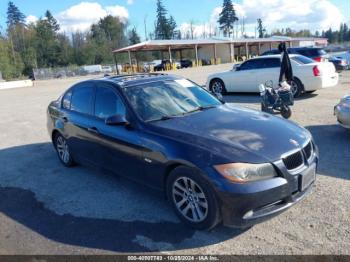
(60, 144)
(220, 86)
(206, 204)
(286, 112)
(298, 88)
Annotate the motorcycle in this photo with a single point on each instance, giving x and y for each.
(276, 99)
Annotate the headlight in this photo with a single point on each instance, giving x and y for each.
(244, 172)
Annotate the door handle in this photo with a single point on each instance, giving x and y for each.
(93, 130)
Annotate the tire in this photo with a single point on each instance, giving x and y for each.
(63, 151)
(297, 87)
(286, 112)
(195, 203)
(218, 86)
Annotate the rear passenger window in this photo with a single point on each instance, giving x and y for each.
(67, 99)
(108, 103)
(82, 98)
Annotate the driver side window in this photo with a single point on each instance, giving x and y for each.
(249, 65)
(108, 103)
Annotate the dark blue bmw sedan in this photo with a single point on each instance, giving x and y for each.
(216, 162)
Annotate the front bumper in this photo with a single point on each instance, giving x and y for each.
(244, 205)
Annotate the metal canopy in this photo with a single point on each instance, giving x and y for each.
(160, 45)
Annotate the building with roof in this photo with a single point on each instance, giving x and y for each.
(219, 50)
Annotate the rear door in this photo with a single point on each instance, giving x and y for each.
(77, 119)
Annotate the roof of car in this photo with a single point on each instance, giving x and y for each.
(274, 56)
(136, 79)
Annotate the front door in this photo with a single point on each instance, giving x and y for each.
(119, 146)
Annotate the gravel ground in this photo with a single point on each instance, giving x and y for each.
(48, 209)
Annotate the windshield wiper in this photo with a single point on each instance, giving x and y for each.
(165, 117)
(200, 108)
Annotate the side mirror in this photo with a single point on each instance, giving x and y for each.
(236, 67)
(116, 120)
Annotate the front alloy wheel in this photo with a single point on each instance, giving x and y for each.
(193, 198)
(189, 199)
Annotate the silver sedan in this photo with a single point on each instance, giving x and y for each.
(342, 111)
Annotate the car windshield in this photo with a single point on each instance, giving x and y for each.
(167, 99)
(302, 59)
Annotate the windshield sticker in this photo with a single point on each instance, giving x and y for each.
(184, 82)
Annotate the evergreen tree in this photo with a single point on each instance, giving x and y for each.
(227, 18)
(171, 27)
(14, 15)
(261, 28)
(134, 37)
(161, 25)
(55, 27)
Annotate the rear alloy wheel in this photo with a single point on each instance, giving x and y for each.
(63, 151)
(193, 198)
(218, 86)
(296, 87)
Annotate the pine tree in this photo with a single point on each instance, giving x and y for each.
(14, 15)
(134, 37)
(227, 18)
(261, 28)
(171, 27)
(52, 22)
(161, 25)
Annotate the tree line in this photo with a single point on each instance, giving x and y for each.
(42, 44)
(334, 36)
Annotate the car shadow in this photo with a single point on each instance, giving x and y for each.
(333, 142)
(306, 96)
(83, 207)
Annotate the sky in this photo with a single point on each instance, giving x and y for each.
(80, 14)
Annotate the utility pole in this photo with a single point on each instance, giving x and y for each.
(145, 23)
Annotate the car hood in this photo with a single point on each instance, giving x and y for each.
(237, 132)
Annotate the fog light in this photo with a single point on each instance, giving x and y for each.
(248, 214)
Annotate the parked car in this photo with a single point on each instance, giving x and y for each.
(315, 53)
(171, 134)
(309, 75)
(340, 64)
(345, 56)
(342, 111)
(185, 63)
(161, 65)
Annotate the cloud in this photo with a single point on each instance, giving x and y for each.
(130, 2)
(276, 14)
(80, 17)
(297, 14)
(31, 19)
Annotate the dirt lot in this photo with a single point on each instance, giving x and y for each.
(48, 209)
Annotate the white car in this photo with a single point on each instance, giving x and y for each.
(309, 75)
